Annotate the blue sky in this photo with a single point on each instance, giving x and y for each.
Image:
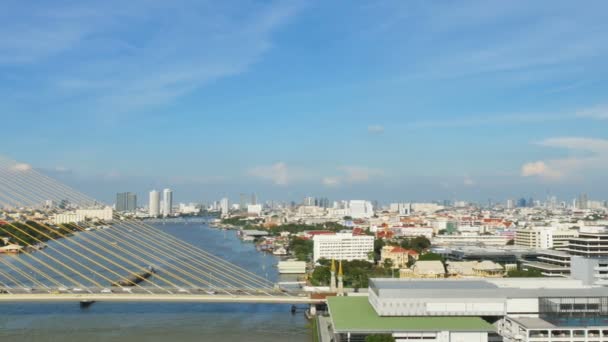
(386, 100)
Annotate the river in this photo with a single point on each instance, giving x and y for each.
(118, 322)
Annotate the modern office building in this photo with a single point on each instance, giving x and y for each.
(126, 202)
(154, 203)
(544, 237)
(550, 263)
(474, 310)
(343, 246)
(167, 207)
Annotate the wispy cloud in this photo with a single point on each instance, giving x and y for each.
(277, 173)
(597, 112)
(179, 48)
(352, 175)
(586, 155)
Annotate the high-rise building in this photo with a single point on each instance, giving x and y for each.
(167, 202)
(154, 203)
(309, 201)
(360, 209)
(581, 203)
(254, 199)
(224, 206)
(509, 204)
(126, 202)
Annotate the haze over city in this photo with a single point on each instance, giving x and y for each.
(392, 100)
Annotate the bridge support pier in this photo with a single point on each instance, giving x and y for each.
(313, 310)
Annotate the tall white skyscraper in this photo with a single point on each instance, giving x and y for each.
(167, 202)
(154, 204)
(224, 206)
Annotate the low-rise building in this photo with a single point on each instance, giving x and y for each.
(398, 255)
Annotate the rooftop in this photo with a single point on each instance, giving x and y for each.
(355, 314)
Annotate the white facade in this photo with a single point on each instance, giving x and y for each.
(343, 246)
(80, 215)
(402, 209)
(360, 209)
(167, 202)
(495, 240)
(224, 206)
(254, 209)
(154, 203)
(544, 237)
(427, 232)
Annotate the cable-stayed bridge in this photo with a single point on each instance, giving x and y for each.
(119, 259)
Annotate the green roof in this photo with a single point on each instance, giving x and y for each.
(355, 314)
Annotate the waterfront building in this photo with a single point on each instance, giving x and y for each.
(81, 215)
(167, 207)
(343, 246)
(473, 310)
(126, 202)
(154, 203)
(292, 267)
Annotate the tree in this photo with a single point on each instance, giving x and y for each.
(388, 263)
(511, 242)
(320, 276)
(380, 338)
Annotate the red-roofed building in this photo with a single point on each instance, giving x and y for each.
(358, 231)
(400, 256)
(312, 233)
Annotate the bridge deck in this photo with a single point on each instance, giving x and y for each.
(169, 298)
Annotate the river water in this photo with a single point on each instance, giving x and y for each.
(118, 322)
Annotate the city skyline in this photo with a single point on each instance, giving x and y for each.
(391, 101)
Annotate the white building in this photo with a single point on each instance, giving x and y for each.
(494, 240)
(544, 237)
(81, 215)
(154, 203)
(343, 246)
(402, 209)
(361, 209)
(426, 207)
(410, 232)
(254, 209)
(190, 208)
(167, 202)
(224, 206)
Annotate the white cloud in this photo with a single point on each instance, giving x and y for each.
(539, 168)
(598, 112)
(468, 181)
(331, 181)
(22, 167)
(584, 155)
(278, 173)
(352, 175)
(375, 129)
(359, 174)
